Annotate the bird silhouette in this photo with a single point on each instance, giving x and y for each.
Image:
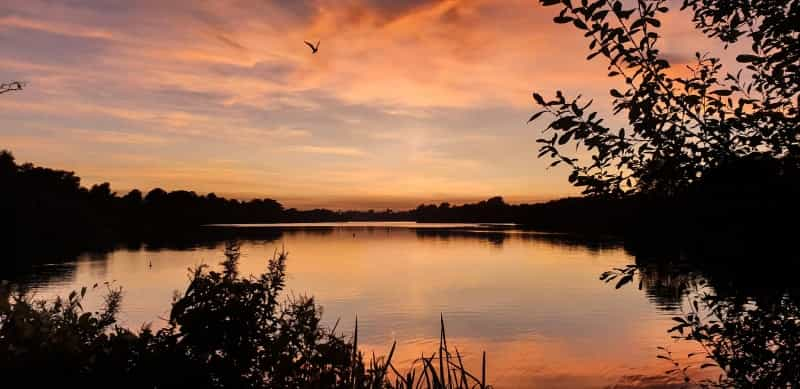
(314, 49)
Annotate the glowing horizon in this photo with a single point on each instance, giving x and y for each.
(422, 101)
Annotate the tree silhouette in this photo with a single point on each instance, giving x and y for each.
(679, 127)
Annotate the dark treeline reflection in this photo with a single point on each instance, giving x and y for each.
(667, 273)
(744, 315)
(60, 260)
(670, 275)
(494, 237)
(61, 264)
(498, 235)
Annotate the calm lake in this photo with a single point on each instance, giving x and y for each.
(532, 301)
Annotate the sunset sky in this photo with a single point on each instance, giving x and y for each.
(405, 101)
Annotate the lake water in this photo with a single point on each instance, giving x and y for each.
(532, 301)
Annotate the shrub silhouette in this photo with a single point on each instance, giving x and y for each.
(60, 337)
(238, 331)
(224, 331)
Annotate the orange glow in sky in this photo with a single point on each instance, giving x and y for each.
(404, 102)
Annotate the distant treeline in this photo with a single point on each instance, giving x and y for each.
(45, 204)
(42, 206)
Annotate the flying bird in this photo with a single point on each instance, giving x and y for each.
(314, 49)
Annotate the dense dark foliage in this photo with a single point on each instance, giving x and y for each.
(681, 127)
(224, 331)
(709, 160)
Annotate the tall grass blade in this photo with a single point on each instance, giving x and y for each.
(441, 348)
(483, 371)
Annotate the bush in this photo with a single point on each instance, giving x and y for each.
(224, 331)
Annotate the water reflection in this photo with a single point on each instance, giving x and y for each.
(753, 341)
(666, 284)
(742, 311)
(531, 300)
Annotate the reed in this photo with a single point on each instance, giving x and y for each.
(442, 369)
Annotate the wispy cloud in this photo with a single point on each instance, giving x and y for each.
(117, 137)
(434, 93)
(52, 27)
(329, 150)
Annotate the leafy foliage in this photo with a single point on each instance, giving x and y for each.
(224, 331)
(237, 333)
(60, 335)
(680, 127)
(772, 29)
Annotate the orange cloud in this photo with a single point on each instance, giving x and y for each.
(432, 95)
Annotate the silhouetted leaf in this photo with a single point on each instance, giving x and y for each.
(580, 24)
(536, 116)
(624, 280)
(538, 98)
(746, 58)
(565, 138)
